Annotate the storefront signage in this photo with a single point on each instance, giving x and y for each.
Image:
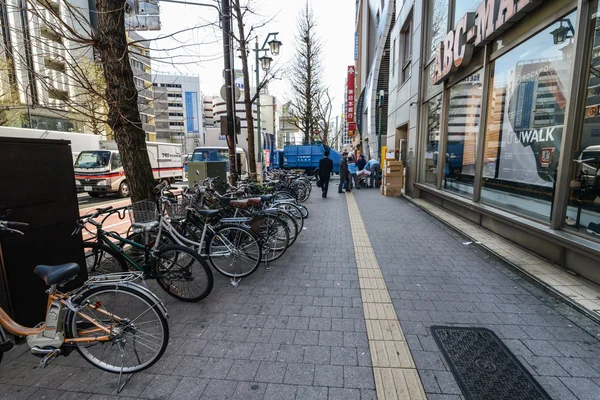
(350, 95)
(546, 156)
(493, 16)
(351, 129)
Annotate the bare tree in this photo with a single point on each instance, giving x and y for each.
(306, 74)
(242, 12)
(323, 116)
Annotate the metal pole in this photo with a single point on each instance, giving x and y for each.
(226, 22)
(258, 121)
(379, 137)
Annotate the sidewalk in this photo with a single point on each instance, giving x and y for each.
(304, 329)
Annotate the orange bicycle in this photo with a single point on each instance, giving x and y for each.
(115, 324)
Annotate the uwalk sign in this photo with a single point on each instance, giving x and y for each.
(493, 17)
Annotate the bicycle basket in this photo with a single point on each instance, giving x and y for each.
(143, 211)
(178, 210)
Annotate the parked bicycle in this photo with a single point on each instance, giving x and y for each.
(179, 270)
(115, 324)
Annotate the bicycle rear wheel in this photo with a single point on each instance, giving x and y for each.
(292, 225)
(101, 259)
(234, 251)
(183, 273)
(139, 332)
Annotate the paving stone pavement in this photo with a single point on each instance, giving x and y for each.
(298, 331)
(295, 331)
(433, 278)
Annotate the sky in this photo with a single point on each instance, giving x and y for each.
(200, 51)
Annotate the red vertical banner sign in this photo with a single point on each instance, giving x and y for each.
(350, 102)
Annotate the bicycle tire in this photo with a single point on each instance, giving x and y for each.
(92, 295)
(97, 263)
(283, 195)
(292, 225)
(303, 209)
(295, 211)
(274, 237)
(227, 234)
(137, 254)
(176, 262)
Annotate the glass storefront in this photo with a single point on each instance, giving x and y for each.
(583, 212)
(464, 114)
(528, 95)
(433, 111)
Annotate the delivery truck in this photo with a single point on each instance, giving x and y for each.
(307, 157)
(100, 171)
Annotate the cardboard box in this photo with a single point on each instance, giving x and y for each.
(392, 191)
(393, 180)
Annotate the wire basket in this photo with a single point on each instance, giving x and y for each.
(178, 210)
(143, 211)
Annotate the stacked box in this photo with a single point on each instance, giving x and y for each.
(393, 176)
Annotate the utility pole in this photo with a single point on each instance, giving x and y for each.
(229, 100)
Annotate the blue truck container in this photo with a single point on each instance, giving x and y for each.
(307, 157)
(277, 159)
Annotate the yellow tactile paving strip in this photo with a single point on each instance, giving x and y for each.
(394, 369)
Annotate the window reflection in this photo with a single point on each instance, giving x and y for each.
(464, 113)
(583, 212)
(438, 15)
(432, 145)
(528, 100)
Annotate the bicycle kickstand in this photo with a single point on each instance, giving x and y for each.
(120, 385)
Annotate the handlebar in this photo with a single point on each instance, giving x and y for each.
(13, 226)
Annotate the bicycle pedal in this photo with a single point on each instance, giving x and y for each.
(6, 346)
(48, 358)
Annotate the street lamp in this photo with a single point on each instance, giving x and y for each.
(265, 63)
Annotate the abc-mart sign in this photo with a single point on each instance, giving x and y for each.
(493, 16)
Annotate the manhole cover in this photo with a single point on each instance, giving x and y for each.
(484, 367)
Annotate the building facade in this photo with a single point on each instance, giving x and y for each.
(179, 109)
(374, 21)
(141, 66)
(494, 109)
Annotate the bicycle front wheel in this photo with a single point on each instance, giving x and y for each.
(138, 330)
(234, 251)
(182, 273)
(274, 236)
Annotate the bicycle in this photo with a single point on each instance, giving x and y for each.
(114, 324)
(178, 270)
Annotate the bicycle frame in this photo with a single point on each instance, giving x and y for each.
(6, 322)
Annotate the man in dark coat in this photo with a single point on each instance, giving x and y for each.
(344, 173)
(325, 170)
(361, 163)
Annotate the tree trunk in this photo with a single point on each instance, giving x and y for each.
(121, 96)
(247, 96)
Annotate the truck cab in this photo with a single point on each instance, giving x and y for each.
(100, 172)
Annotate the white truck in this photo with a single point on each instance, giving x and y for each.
(79, 141)
(101, 171)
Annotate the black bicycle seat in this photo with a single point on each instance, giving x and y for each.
(207, 213)
(266, 197)
(53, 274)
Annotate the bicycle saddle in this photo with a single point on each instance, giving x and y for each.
(53, 274)
(207, 213)
(239, 203)
(145, 226)
(267, 197)
(254, 201)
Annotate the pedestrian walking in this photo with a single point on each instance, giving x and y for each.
(325, 170)
(352, 168)
(344, 173)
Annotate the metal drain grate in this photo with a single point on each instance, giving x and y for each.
(484, 367)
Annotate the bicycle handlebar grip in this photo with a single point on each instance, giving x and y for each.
(103, 210)
(16, 225)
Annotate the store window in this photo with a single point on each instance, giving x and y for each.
(464, 114)
(583, 212)
(438, 24)
(433, 113)
(461, 7)
(527, 104)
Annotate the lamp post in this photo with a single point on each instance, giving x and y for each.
(265, 63)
